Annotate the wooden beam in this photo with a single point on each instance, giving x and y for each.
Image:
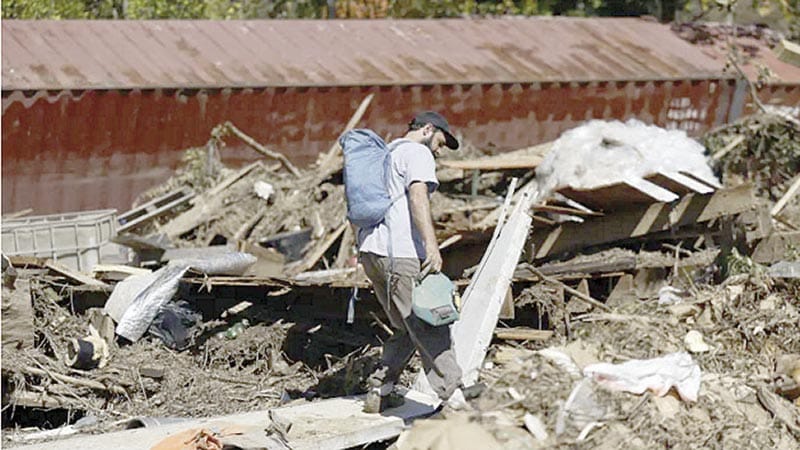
(693, 208)
(316, 253)
(602, 265)
(472, 333)
(77, 277)
(526, 158)
(522, 334)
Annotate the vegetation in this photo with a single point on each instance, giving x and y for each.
(319, 9)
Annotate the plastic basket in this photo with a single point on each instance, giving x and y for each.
(72, 239)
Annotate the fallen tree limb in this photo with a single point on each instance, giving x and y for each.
(228, 127)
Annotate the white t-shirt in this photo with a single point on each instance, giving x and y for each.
(411, 162)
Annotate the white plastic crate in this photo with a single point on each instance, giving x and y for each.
(72, 239)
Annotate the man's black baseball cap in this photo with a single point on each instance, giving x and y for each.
(435, 119)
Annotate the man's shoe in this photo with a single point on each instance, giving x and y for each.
(473, 391)
(375, 403)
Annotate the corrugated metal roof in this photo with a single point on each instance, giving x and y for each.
(196, 54)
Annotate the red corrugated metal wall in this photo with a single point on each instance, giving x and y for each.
(77, 150)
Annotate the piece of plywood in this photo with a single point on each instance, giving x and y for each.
(619, 195)
(75, 276)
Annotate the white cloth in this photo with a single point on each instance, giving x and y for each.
(658, 375)
(411, 162)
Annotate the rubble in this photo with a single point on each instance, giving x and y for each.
(615, 277)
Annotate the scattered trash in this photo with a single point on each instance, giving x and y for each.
(535, 426)
(580, 409)
(161, 285)
(669, 295)
(87, 353)
(657, 375)
(176, 324)
(695, 343)
(263, 189)
(784, 269)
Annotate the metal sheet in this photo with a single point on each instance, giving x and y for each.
(205, 54)
(68, 151)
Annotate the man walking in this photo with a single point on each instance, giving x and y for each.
(391, 253)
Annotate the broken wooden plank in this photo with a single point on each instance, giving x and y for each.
(526, 158)
(316, 253)
(26, 261)
(346, 248)
(565, 210)
(619, 195)
(616, 263)
(472, 333)
(495, 163)
(77, 277)
(116, 272)
(153, 209)
(711, 181)
(522, 334)
(634, 223)
(679, 183)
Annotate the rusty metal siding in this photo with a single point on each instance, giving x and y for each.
(218, 54)
(68, 151)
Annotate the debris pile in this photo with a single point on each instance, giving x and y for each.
(652, 306)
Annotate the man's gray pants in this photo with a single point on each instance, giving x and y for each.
(410, 332)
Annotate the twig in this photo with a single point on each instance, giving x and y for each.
(229, 127)
(724, 151)
(71, 380)
(781, 203)
(578, 294)
(380, 323)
